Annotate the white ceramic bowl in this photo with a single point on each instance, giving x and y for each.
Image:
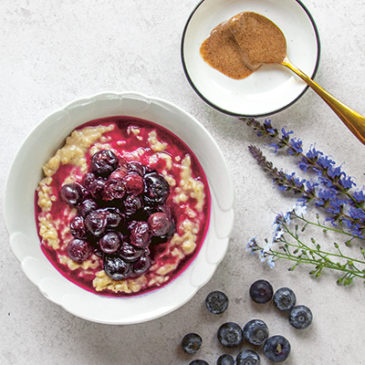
(270, 89)
(26, 172)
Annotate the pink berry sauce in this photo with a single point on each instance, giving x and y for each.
(124, 143)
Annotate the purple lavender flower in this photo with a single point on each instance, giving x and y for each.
(359, 196)
(331, 191)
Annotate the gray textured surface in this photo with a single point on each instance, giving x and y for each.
(55, 51)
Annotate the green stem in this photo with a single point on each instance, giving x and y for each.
(324, 227)
(316, 251)
(315, 263)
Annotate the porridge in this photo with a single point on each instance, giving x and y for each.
(123, 207)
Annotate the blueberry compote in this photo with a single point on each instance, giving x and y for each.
(123, 208)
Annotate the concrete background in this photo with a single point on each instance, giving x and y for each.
(55, 51)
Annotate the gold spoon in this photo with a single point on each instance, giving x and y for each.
(262, 41)
(354, 121)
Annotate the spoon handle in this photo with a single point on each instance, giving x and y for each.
(353, 120)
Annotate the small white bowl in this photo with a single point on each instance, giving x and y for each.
(26, 172)
(270, 89)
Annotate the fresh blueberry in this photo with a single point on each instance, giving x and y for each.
(255, 332)
(159, 224)
(130, 253)
(216, 302)
(79, 250)
(277, 348)
(140, 235)
(261, 291)
(96, 222)
(132, 204)
(77, 228)
(86, 206)
(191, 343)
(156, 189)
(248, 357)
(226, 359)
(116, 268)
(284, 299)
(110, 242)
(103, 163)
(198, 362)
(300, 317)
(133, 183)
(71, 194)
(113, 189)
(230, 334)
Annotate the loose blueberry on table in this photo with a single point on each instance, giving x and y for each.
(226, 359)
(277, 348)
(248, 357)
(300, 317)
(230, 334)
(191, 343)
(255, 332)
(216, 302)
(284, 299)
(261, 291)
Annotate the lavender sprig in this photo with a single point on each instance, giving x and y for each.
(292, 248)
(314, 160)
(340, 214)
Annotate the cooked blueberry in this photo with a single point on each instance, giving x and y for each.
(248, 357)
(103, 163)
(230, 334)
(77, 228)
(119, 173)
(198, 362)
(71, 193)
(113, 189)
(216, 302)
(116, 268)
(142, 265)
(277, 348)
(226, 359)
(130, 253)
(261, 291)
(156, 189)
(110, 242)
(300, 317)
(79, 250)
(114, 217)
(96, 222)
(140, 235)
(97, 188)
(86, 206)
(132, 204)
(284, 299)
(88, 180)
(137, 167)
(159, 223)
(256, 332)
(191, 343)
(133, 183)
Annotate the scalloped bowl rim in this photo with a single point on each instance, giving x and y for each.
(73, 298)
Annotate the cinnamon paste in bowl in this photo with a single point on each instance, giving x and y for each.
(239, 46)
